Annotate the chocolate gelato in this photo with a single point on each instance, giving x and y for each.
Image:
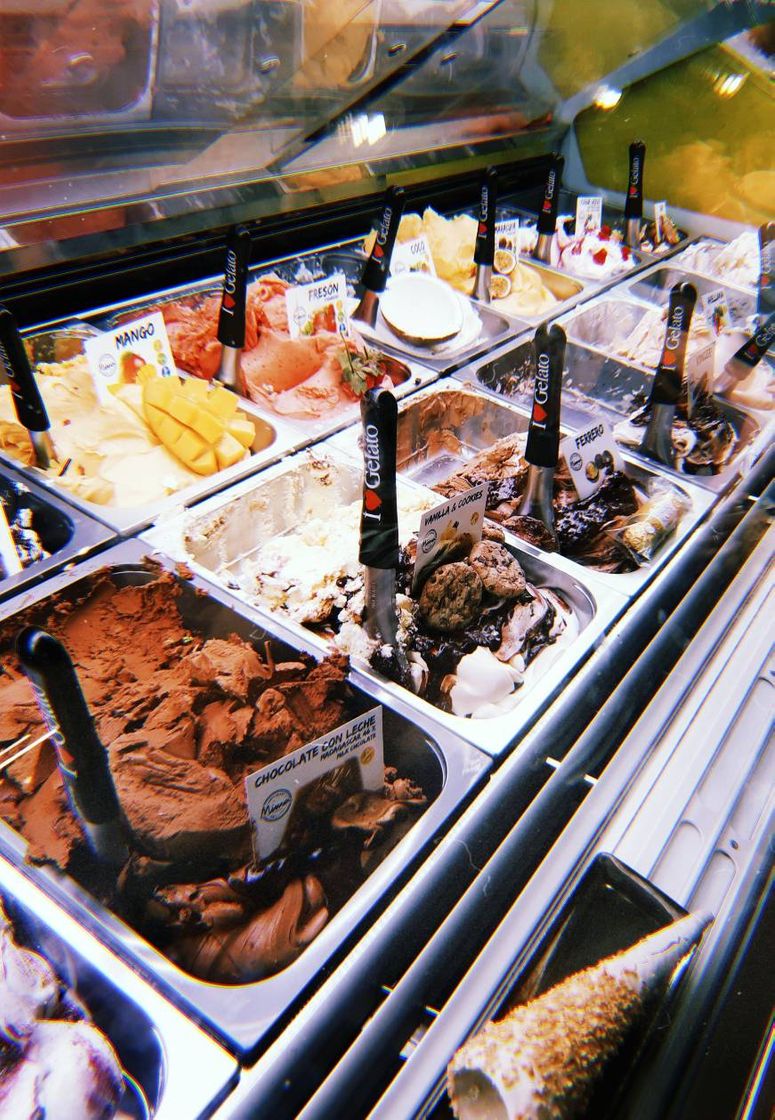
(583, 526)
(703, 439)
(185, 719)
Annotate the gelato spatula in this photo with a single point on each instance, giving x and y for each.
(9, 557)
(83, 760)
(657, 440)
(484, 250)
(765, 299)
(633, 205)
(547, 217)
(375, 273)
(27, 401)
(749, 355)
(379, 517)
(231, 319)
(543, 438)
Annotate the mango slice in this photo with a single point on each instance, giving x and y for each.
(198, 423)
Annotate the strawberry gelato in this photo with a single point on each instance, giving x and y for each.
(302, 378)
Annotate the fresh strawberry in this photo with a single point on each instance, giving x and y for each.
(600, 256)
(605, 233)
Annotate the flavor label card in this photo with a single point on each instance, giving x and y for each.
(458, 520)
(716, 310)
(589, 455)
(412, 256)
(116, 357)
(589, 214)
(660, 213)
(507, 239)
(700, 366)
(319, 306)
(278, 794)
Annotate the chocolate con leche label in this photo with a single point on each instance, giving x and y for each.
(276, 794)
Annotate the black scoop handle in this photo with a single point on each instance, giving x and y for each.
(27, 400)
(547, 215)
(543, 438)
(484, 250)
(231, 319)
(633, 206)
(82, 758)
(379, 514)
(377, 268)
(670, 371)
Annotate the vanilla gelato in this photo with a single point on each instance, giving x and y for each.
(736, 263)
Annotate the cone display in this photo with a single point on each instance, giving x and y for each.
(542, 1061)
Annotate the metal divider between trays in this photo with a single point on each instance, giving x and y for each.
(374, 1002)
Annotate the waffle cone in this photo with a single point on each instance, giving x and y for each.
(542, 1061)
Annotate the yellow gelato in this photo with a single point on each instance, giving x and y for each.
(115, 460)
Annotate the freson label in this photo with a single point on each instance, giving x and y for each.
(319, 306)
(460, 517)
(116, 357)
(273, 791)
(590, 456)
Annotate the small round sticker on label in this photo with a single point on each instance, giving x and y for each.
(367, 756)
(276, 805)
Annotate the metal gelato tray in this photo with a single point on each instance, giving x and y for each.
(596, 386)
(319, 484)
(66, 341)
(446, 425)
(608, 323)
(656, 284)
(64, 532)
(449, 770)
(349, 259)
(301, 430)
(610, 909)
(173, 1069)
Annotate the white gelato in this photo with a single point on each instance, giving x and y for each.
(737, 263)
(594, 256)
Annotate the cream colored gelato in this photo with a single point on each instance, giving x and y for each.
(737, 263)
(114, 459)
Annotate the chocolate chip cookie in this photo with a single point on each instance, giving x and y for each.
(451, 597)
(499, 572)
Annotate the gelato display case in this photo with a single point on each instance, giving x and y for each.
(386, 416)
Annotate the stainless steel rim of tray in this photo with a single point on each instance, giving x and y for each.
(496, 417)
(592, 600)
(180, 1070)
(241, 1015)
(82, 535)
(589, 370)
